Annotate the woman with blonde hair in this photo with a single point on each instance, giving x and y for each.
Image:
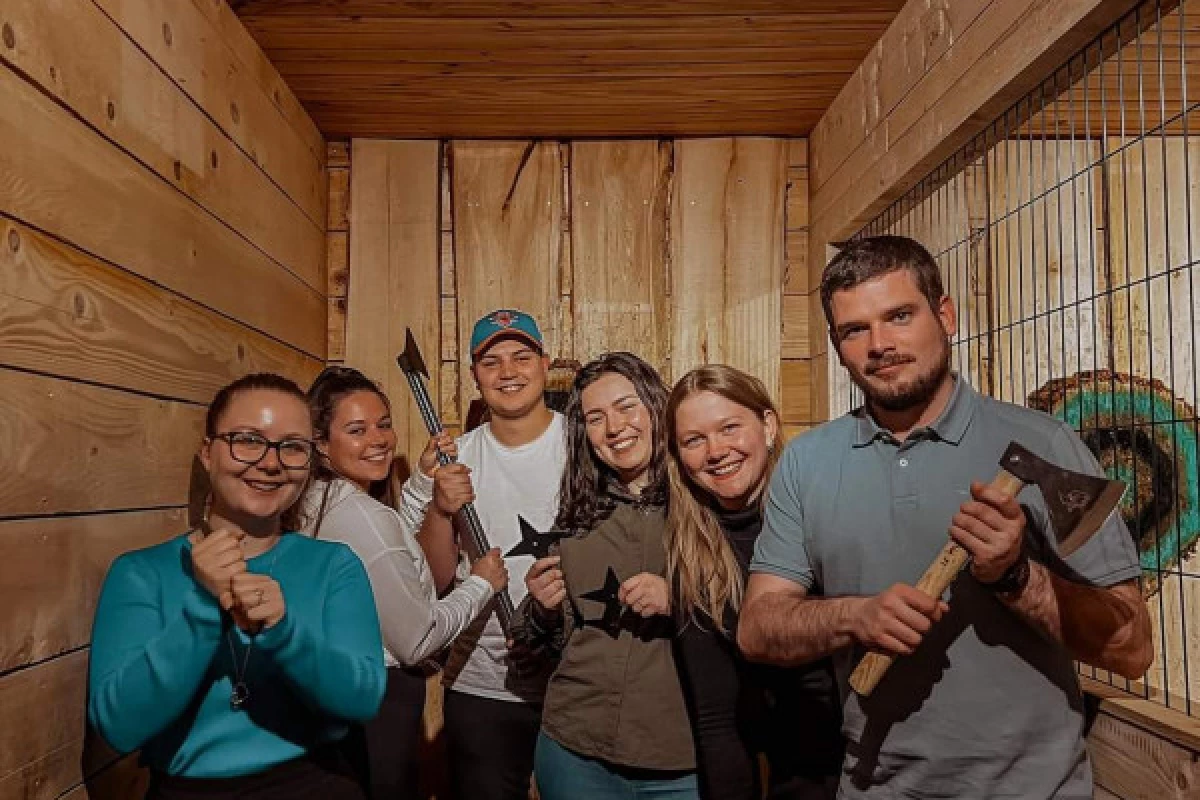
(724, 439)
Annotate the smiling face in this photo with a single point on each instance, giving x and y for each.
(891, 341)
(511, 376)
(619, 427)
(251, 493)
(724, 447)
(362, 442)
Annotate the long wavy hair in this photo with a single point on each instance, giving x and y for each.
(700, 561)
(333, 385)
(291, 518)
(583, 497)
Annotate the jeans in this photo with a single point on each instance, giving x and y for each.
(564, 775)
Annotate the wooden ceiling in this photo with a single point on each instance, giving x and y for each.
(565, 68)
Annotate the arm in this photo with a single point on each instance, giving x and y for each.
(1107, 627)
(335, 664)
(781, 624)
(144, 671)
(451, 491)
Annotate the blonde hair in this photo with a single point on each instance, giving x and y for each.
(701, 565)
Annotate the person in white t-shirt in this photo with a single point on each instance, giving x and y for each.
(509, 467)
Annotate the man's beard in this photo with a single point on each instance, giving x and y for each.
(914, 393)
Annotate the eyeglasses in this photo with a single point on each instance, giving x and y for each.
(251, 448)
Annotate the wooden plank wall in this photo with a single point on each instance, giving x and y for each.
(162, 231)
(682, 251)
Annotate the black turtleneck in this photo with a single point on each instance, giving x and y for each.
(741, 528)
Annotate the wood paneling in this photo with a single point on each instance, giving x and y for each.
(566, 69)
(182, 40)
(83, 448)
(62, 177)
(68, 313)
(1135, 764)
(508, 199)
(619, 193)
(76, 54)
(53, 568)
(43, 711)
(727, 255)
(394, 271)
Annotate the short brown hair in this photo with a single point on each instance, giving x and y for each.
(862, 260)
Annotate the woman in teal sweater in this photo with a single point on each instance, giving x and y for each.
(235, 656)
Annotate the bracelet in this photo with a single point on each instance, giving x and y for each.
(1014, 579)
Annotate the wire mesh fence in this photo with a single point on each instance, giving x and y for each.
(1067, 233)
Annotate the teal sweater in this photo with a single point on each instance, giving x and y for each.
(161, 671)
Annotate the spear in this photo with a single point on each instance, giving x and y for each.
(413, 367)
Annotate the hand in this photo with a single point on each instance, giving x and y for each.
(216, 559)
(441, 443)
(896, 620)
(492, 569)
(452, 489)
(992, 529)
(257, 602)
(545, 582)
(646, 594)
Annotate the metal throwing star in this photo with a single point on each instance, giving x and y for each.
(610, 622)
(534, 542)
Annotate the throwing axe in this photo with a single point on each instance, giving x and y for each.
(1078, 505)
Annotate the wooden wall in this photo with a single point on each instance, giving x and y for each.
(162, 216)
(684, 251)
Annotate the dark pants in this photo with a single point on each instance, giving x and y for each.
(491, 744)
(318, 776)
(385, 750)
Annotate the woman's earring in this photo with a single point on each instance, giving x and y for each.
(771, 447)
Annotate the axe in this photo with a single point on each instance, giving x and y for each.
(1078, 505)
(413, 367)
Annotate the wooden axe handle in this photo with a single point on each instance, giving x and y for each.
(934, 582)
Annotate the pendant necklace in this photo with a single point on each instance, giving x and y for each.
(240, 694)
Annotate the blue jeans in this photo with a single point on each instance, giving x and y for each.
(564, 775)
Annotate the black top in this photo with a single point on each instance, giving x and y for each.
(739, 709)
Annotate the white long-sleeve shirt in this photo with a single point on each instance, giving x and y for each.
(415, 624)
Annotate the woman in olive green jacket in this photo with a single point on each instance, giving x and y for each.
(614, 723)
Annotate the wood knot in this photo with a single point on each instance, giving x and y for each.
(112, 111)
(79, 304)
(14, 241)
(167, 36)
(234, 113)
(241, 352)
(10, 38)
(213, 159)
(178, 170)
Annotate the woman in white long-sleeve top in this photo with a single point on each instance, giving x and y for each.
(350, 501)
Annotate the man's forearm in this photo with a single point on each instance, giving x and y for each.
(1106, 627)
(794, 629)
(436, 537)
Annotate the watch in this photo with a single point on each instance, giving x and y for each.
(1014, 578)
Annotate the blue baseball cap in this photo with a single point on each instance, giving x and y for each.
(504, 323)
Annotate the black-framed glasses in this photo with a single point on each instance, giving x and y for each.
(250, 448)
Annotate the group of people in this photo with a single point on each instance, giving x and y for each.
(690, 594)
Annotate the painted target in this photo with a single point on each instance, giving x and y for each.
(1142, 435)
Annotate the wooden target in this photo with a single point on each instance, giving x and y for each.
(1141, 434)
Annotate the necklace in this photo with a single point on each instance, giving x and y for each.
(240, 694)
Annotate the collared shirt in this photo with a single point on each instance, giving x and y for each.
(987, 706)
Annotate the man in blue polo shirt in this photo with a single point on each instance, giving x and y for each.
(984, 699)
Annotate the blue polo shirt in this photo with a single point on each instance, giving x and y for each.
(987, 706)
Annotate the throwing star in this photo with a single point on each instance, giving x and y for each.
(534, 542)
(610, 622)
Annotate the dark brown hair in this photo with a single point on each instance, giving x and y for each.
(583, 497)
(861, 260)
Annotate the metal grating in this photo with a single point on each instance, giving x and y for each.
(1068, 233)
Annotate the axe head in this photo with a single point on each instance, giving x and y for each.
(1078, 504)
(410, 360)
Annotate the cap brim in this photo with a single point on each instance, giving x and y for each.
(509, 333)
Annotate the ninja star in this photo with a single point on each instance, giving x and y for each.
(533, 542)
(610, 622)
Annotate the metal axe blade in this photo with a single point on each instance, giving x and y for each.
(1078, 504)
(410, 360)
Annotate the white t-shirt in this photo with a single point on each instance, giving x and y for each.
(508, 481)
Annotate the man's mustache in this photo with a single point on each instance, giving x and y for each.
(888, 361)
